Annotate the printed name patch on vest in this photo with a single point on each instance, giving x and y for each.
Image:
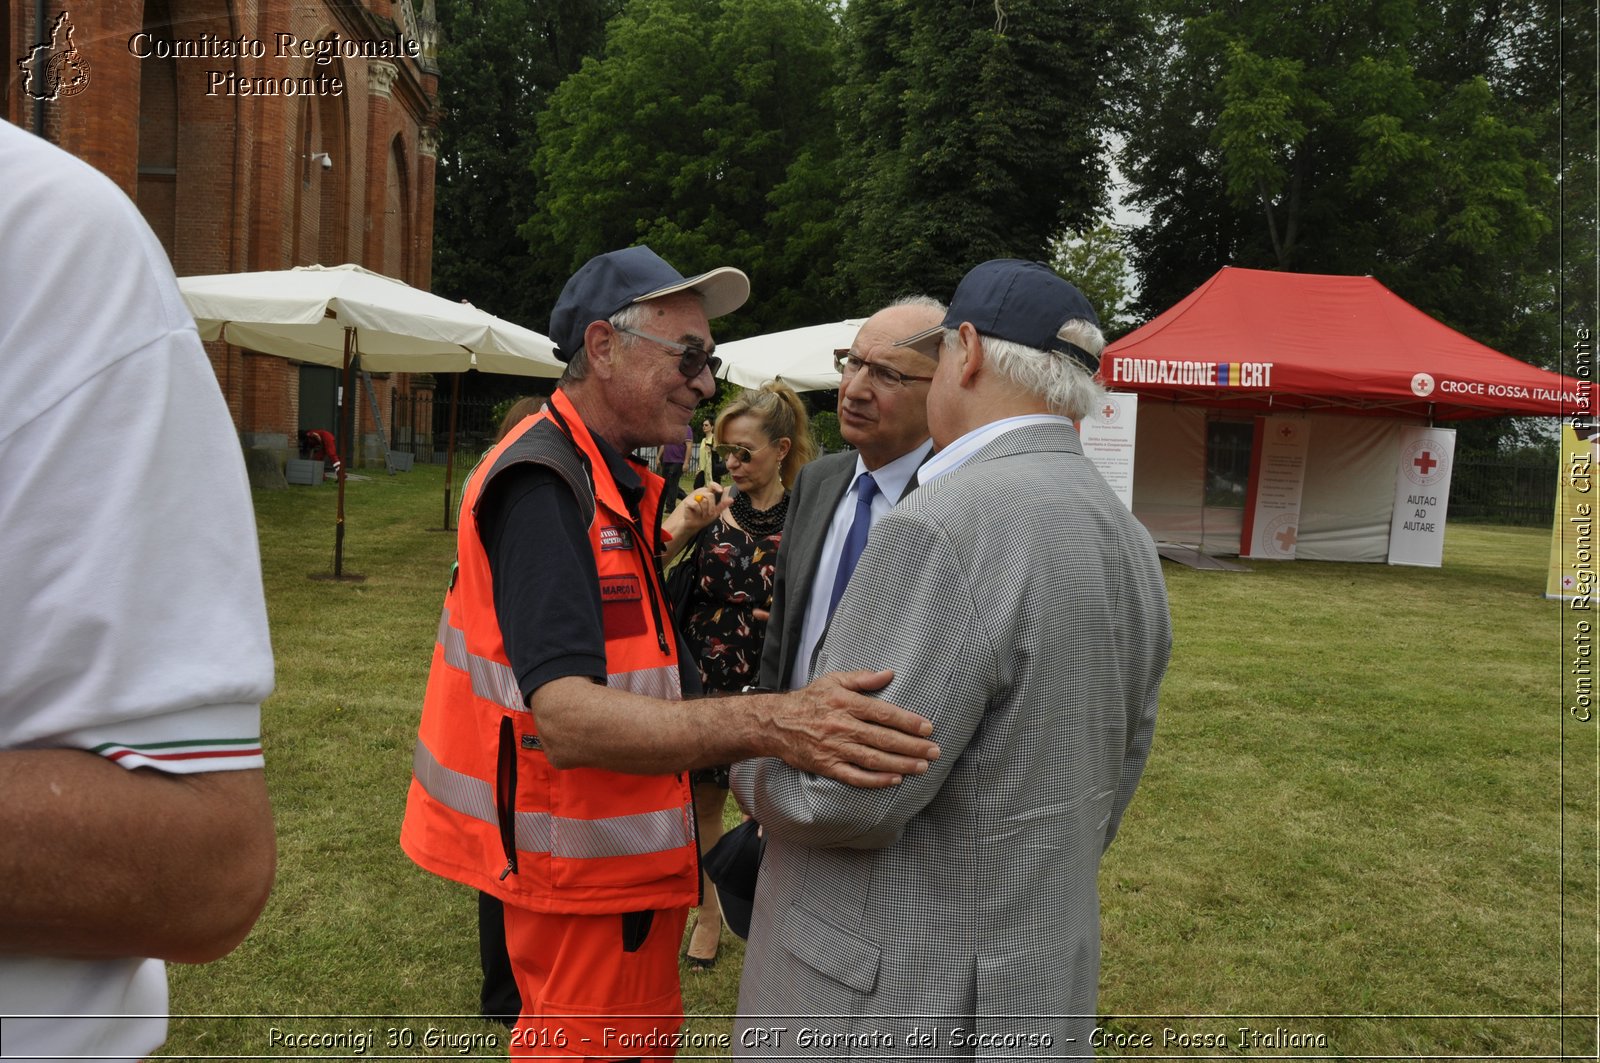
(613, 537)
(623, 588)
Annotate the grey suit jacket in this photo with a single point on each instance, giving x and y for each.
(812, 500)
(1023, 611)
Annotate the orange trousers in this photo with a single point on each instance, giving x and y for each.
(596, 986)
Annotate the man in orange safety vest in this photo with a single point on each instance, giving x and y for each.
(552, 756)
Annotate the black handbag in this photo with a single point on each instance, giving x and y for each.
(681, 581)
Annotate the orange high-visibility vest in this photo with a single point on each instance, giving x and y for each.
(579, 840)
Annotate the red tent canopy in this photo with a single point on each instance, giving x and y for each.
(1257, 339)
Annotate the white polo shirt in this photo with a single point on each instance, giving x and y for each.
(133, 624)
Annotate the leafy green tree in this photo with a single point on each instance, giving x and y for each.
(706, 130)
(499, 61)
(1580, 187)
(1407, 140)
(1095, 261)
(974, 132)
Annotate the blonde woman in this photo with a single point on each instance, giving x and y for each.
(762, 437)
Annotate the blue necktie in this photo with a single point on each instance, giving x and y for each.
(856, 540)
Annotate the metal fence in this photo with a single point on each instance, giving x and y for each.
(421, 425)
(1503, 494)
(425, 434)
(1484, 492)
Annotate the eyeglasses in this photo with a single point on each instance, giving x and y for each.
(693, 357)
(881, 375)
(744, 454)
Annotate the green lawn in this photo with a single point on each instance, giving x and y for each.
(1350, 828)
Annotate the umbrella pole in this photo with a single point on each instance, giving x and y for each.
(450, 453)
(346, 405)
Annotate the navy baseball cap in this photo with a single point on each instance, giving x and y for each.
(1010, 299)
(733, 866)
(607, 283)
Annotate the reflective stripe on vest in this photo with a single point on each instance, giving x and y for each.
(660, 682)
(491, 680)
(578, 839)
(496, 682)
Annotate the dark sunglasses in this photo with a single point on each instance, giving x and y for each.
(692, 356)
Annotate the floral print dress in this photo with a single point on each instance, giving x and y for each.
(733, 577)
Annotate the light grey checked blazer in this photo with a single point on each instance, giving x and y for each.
(1023, 611)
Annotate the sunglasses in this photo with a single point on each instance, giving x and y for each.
(882, 376)
(692, 357)
(744, 454)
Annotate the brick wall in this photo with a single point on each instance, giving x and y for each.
(223, 179)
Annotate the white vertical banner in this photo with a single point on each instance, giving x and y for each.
(1572, 553)
(1421, 496)
(1108, 434)
(1280, 477)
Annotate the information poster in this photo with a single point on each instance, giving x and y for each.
(1421, 496)
(1278, 476)
(1108, 435)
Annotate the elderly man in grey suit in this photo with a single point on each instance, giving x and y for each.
(1022, 609)
(883, 414)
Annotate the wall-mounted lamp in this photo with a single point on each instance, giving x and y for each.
(327, 160)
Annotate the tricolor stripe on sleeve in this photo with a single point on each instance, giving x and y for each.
(195, 755)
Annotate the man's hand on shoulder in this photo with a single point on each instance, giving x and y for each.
(832, 728)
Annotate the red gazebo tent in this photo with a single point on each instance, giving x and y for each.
(1251, 339)
(1349, 356)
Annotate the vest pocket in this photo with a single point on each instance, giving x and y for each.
(533, 794)
(612, 831)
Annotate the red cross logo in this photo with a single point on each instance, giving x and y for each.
(1426, 462)
(1109, 411)
(1286, 539)
(1286, 432)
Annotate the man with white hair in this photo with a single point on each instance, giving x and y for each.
(1022, 610)
(555, 740)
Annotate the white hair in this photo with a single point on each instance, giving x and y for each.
(632, 316)
(923, 302)
(1063, 382)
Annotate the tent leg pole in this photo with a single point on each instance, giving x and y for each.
(346, 406)
(450, 454)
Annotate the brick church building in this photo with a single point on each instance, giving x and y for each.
(254, 135)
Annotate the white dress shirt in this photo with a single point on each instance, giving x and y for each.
(953, 456)
(891, 480)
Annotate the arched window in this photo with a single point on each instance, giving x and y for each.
(397, 214)
(333, 187)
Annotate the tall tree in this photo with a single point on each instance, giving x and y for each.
(1580, 189)
(706, 129)
(974, 132)
(1408, 140)
(499, 60)
(1095, 261)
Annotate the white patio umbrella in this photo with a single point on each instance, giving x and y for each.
(331, 315)
(801, 357)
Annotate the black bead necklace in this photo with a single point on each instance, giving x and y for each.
(760, 522)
